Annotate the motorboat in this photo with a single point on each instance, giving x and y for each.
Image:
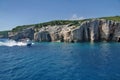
(29, 43)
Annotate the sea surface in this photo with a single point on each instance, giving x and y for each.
(59, 61)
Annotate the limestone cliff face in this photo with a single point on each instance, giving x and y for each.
(27, 33)
(42, 36)
(92, 30)
(99, 30)
(50, 33)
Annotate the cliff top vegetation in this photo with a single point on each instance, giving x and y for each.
(61, 22)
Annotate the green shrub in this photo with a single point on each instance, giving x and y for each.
(114, 18)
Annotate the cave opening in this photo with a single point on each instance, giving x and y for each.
(118, 39)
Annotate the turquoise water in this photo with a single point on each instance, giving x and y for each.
(61, 61)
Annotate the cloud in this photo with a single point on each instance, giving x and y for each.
(75, 17)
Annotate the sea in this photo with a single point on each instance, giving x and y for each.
(59, 61)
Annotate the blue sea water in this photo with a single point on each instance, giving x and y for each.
(60, 61)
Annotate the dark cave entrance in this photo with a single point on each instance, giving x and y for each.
(118, 39)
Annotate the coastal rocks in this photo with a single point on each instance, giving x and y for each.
(89, 30)
(93, 30)
(27, 33)
(77, 34)
(66, 34)
(105, 30)
(42, 36)
(116, 36)
(108, 30)
(50, 33)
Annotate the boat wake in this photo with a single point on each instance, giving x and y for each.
(11, 43)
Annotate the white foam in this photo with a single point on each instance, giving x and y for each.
(11, 43)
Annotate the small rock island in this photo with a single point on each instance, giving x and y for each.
(97, 29)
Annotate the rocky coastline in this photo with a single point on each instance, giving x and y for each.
(86, 31)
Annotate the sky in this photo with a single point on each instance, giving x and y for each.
(22, 12)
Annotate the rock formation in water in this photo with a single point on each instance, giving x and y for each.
(88, 30)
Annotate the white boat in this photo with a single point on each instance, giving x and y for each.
(29, 43)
